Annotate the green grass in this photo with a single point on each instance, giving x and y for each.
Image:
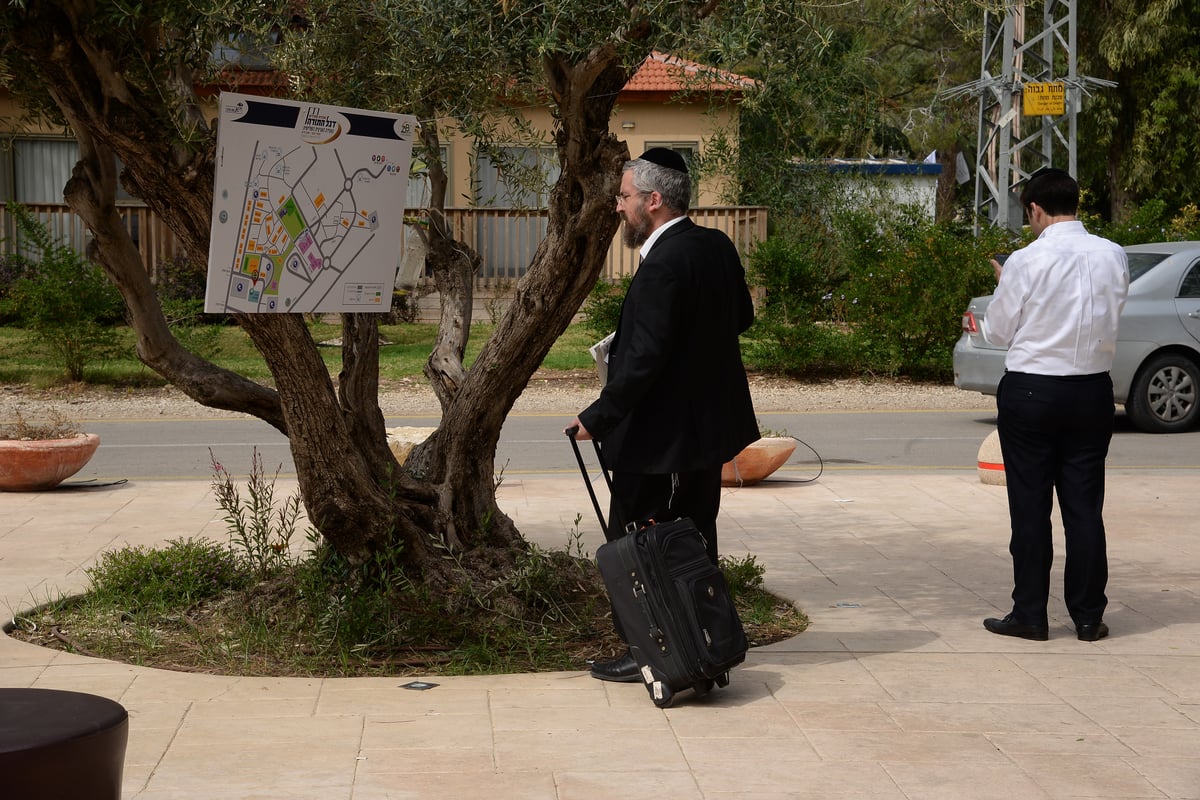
(27, 361)
(196, 605)
(254, 606)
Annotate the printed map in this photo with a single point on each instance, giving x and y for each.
(307, 207)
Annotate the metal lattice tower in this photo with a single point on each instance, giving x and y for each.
(1011, 144)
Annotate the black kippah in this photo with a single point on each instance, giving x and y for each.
(665, 158)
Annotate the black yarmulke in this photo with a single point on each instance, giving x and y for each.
(665, 158)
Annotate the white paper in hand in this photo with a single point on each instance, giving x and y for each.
(599, 353)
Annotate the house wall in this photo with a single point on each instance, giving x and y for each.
(889, 181)
(11, 120)
(638, 124)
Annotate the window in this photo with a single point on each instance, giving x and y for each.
(1191, 282)
(520, 177)
(691, 156)
(244, 50)
(41, 168)
(1141, 263)
(6, 170)
(419, 191)
(36, 170)
(517, 178)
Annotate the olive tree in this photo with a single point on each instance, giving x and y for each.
(123, 78)
(1136, 140)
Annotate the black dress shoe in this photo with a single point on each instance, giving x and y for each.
(622, 669)
(1091, 631)
(1010, 627)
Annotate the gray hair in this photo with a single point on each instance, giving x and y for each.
(674, 186)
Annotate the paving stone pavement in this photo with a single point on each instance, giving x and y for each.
(895, 691)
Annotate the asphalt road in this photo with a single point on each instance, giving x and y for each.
(534, 444)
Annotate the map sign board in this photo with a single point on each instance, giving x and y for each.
(307, 207)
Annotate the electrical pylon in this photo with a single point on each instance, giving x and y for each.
(1021, 53)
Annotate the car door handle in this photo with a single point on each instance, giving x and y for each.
(1195, 314)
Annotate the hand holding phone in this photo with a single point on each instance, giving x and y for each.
(998, 260)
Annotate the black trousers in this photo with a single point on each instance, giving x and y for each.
(1054, 435)
(638, 496)
(696, 495)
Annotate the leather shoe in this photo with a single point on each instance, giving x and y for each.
(1010, 627)
(1091, 631)
(622, 669)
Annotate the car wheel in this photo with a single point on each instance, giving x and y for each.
(1165, 394)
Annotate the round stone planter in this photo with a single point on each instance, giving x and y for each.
(37, 464)
(402, 440)
(991, 462)
(757, 461)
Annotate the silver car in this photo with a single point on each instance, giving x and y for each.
(1156, 371)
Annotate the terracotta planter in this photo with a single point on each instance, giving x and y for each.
(37, 464)
(757, 461)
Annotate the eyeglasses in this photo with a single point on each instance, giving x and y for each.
(624, 198)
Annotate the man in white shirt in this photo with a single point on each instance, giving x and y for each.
(1056, 308)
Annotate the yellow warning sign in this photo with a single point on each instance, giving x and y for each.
(1044, 98)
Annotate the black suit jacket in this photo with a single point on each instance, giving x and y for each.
(677, 399)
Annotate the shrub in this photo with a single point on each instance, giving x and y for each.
(909, 282)
(800, 325)
(55, 427)
(742, 574)
(179, 575)
(182, 280)
(64, 300)
(602, 309)
(851, 291)
(406, 308)
(13, 267)
(1150, 222)
(181, 286)
(259, 531)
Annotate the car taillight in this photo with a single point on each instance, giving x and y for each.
(968, 322)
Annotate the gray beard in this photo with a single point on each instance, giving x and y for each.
(634, 236)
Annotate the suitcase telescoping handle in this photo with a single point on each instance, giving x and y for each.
(587, 481)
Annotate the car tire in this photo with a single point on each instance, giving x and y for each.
(1165, 397)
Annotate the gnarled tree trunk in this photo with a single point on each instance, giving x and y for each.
(354, 491)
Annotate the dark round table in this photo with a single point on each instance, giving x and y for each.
(59, 745)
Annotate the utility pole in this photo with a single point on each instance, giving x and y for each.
(1029, 97)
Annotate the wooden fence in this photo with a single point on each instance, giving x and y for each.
(504, 238)
(154, 240)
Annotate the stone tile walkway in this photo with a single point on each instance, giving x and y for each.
(896, 690)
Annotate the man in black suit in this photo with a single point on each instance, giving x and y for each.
(676, 404)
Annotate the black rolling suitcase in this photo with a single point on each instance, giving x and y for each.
(675, 609)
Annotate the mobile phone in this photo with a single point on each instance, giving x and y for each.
(1000, 257)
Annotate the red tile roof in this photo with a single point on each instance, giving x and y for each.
(254, 77)
(659, 74)
(665, 73)
(247, 81)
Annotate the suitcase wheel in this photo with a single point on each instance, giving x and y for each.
(703, 687)
(723, 680)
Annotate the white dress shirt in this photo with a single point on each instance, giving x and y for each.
(650, 240)
(1058, 302)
